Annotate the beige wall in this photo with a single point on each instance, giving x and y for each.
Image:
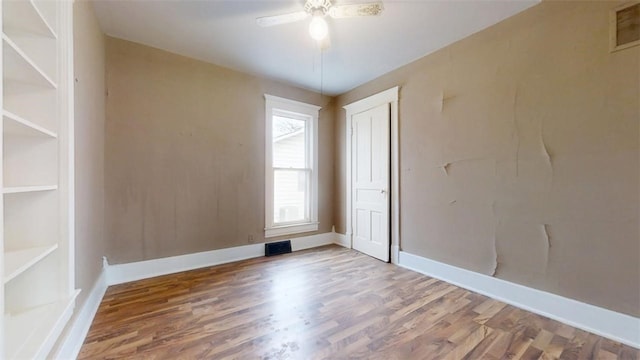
(185, 154)
(89, 67)
(539, 133)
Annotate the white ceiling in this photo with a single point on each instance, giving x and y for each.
(225, 33)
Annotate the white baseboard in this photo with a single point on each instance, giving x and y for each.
(600, 321)
(311, 241)
(79, 327)
(122, 273)
(342, 240)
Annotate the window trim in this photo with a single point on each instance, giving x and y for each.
(311, 113)
(613, 28)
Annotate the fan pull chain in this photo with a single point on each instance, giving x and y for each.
(321, 73)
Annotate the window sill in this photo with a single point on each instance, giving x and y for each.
(290, 229)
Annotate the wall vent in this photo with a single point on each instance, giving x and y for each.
(625, 26)
(277, 248)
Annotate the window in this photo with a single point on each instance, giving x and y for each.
(625, 26)
(291, 167)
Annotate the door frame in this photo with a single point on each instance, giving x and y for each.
(390, 97)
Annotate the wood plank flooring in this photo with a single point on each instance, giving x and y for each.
(324, 303)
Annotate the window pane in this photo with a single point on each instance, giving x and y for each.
(289, 150)
(290, 200)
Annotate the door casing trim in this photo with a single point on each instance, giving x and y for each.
(389, 96)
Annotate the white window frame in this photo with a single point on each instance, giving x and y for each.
(281, 106)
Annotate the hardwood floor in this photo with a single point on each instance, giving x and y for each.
(324, 303)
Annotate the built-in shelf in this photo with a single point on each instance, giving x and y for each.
(31, 334)
(36, 100)
(25, 16)
(27, 189)
(19, 261)
(15, 125)
(19, 67)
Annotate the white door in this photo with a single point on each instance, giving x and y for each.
(370, 181)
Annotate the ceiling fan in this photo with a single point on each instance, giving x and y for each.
(318, 9)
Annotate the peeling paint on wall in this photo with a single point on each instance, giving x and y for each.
(547, 242)
(443, 100)
(546, 233)
(496, 261)
(516, 131)
(445, 168)
(545, 150)
(564, 186)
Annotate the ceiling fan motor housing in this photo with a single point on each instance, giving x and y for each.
(314, 7)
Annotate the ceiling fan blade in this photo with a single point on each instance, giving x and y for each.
(352, 10)
(282, 19)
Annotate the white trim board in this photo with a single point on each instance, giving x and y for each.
(389, 96)
(600, 321)
(341, 239)
(79, 327)
(122, 273)
(310, 114)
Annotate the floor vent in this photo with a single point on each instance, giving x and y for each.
(277, 248)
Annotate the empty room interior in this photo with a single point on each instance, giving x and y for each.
(320, 179)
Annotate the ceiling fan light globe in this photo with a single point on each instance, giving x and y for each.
(318, 28)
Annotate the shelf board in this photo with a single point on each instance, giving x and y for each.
(18, 66)
(19, 261)
(26, 17)
(14, 124)
(31, 334)
(26, 189)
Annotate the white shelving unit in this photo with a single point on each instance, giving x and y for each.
(36, 247)
(20, 67)
(26, 189)
(19, 261)
(17, 126)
